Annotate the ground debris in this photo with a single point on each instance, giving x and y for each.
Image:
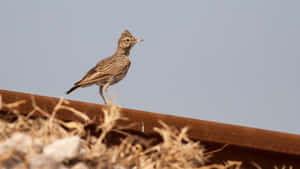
(30, 142)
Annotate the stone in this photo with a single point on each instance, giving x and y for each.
(41, 161)
(80, 166)
(64, 149)
(18, 142)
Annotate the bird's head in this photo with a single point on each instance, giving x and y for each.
(127, 41)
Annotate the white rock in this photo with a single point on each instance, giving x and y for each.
(41, 161)
(80, 166)
(18, 142)
(118, 167)
(64, 149)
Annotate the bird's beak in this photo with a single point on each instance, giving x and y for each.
(139, 40)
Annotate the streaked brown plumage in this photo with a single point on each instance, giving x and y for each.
(111, 69)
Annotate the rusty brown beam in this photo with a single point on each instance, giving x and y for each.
(245, 143)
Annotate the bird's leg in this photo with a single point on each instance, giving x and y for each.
(101, 94)
(106, 93)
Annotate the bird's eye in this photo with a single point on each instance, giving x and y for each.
(127, 40)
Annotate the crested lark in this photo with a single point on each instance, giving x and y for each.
(111, 69)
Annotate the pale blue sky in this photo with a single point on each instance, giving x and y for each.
(227, 61)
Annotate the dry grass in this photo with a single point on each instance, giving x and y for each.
(175, 151)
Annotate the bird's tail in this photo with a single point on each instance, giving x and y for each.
(72, 89)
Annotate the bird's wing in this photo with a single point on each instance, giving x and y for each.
(103, 71)
(100, 72)
(112, 66)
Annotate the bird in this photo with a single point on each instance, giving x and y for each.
(110, 70)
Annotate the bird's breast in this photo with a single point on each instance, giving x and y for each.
(123, 67)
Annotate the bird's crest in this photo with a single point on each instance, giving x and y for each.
(126, 33)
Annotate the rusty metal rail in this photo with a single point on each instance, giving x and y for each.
(267, 148)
